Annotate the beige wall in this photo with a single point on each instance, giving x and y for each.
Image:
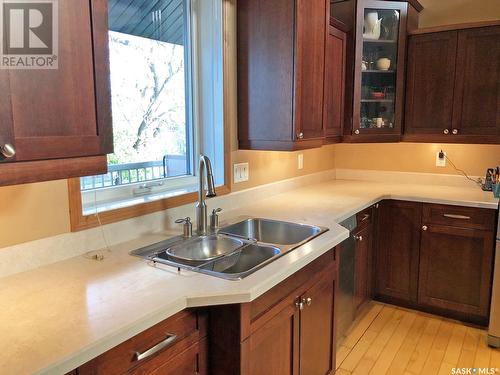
(35, 211)
(266, 167)
(448, 12)
(417, 157)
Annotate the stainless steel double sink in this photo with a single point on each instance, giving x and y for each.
(235, 251)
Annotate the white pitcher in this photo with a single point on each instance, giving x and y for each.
(372, 26)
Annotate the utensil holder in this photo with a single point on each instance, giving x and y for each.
(496, 190)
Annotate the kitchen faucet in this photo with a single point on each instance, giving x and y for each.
(201, 208)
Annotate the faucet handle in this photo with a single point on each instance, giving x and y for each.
(187, 226)
(214, 218)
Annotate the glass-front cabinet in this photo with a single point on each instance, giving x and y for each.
(379, 69)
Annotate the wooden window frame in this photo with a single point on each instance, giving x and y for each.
(80, 222)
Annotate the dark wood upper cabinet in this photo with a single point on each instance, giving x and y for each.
(60, 113)
(476, 110)
(397, 251)
(335, 61)
(376, 66)
(453, 86)
(430, 83)
(281, 67)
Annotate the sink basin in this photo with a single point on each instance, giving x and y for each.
(235, 252)
(272, 231)
(203, 249)
(241, 263)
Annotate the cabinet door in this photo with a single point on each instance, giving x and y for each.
(362, 266)
(274, 347)
(379, 70)
(455, 269)
(397, 250)
(310, 38)
(477, 90)
(334, 84)
(64, 112)
(317, 329)
(430, 83)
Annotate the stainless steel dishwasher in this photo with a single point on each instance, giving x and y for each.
(345, 291)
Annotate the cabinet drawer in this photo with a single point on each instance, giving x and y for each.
(462, 217)
(152, 348)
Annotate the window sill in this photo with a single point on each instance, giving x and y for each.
(80, 222)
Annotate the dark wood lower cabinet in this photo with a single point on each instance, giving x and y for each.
(178, 345)
(455, 270)
(274, 347)
(398, 248)
(191, 361)
(316, 328)
(436, 258)
(289, 330)
(362, 266)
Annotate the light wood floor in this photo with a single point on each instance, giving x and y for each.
(391, 340)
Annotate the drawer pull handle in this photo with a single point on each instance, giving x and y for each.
(453, 216)
(299, 304)
(155, 349)
(365, 217)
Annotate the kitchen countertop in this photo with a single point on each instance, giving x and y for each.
(56, 317)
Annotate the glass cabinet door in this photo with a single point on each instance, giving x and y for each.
(380, 68)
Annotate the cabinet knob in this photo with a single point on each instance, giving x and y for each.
(300, 135)
(358, 238)
(455, 131)
(356, 131)
(309, 301)
(424, 227)
(446, 131)
(7, 151)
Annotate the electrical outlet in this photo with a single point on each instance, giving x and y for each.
(440, 162)
(241, 172)
(300, 161)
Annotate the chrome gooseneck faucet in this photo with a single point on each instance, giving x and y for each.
(201, 208)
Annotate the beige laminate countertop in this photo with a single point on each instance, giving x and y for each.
(57, 317)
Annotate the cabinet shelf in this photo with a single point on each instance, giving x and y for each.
(381, 41)
(379, 71)
(377, 100)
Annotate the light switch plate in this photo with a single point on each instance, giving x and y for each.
(300, 161)
(241, 172)
(440, 162)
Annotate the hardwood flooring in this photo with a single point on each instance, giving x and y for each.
(391, 340)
